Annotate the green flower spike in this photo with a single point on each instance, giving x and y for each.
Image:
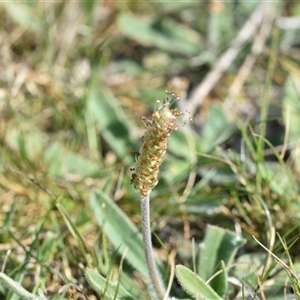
(154, 145)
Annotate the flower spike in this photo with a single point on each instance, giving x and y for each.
(154, 145)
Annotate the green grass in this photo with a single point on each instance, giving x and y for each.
(75, 78)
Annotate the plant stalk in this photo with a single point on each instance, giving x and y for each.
(156, 281)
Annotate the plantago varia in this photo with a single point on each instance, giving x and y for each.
(154, 145)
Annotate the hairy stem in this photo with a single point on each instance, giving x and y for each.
(157, 284)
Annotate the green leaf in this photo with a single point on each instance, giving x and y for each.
(291, 105)
(177, 6)
(16, 288)
(220, 282)
(279, 178)
(29, 144)
(23, 15)
(75, 163)
(174, 170)
(164, 33)
(106, 288)
(72, 228)
(180, 145)
(120, 230)
(52, 156)
(114, 125)
(125, 66)
(219, 29)
(62, 161)
(183, 146)
(219, 245)
(217, 129)
(246, 263)
(194, 285)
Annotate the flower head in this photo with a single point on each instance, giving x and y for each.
(154, 145)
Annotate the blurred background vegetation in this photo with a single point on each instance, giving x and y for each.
(75, 78)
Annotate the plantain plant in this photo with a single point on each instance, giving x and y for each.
(216, 252)
(16, 288)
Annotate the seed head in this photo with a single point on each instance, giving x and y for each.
(154, 145)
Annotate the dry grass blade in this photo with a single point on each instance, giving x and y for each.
(246, 68)
(284, 265)
(246, 33)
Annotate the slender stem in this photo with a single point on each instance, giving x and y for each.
(157, 284)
